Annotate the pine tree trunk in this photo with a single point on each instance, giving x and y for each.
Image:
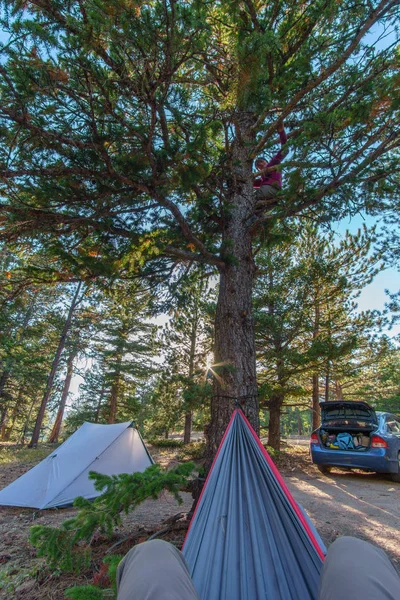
(60, 413)
(15, 412)
(274, 426)
(188, 428)
(316, 412)
(299, 423)
(3, 381)
(26, 424)
(316, 420)
(3, 399)
(98, 408)
(3, 421)
(234, 352)
(114, 394)
(193, 342)
(339, 391)
(327, 382)
(54, 367)
(19, 336)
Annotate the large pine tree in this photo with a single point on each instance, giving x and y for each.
(128, 132)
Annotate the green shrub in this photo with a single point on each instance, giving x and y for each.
(194, 450)
(165, 443)
(68, 547)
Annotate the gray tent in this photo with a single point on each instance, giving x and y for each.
(63, 475)
(248, 537)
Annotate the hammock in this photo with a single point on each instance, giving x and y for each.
(248, 538)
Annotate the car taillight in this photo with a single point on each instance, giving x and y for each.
(378, 442)
(314, 438)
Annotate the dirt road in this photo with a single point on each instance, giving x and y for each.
(344, 503)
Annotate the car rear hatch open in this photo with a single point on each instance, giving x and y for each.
(347, 425)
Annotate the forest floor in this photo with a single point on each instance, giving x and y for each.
(344, 503)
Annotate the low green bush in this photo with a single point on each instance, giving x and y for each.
(67, 547)
(165, 443)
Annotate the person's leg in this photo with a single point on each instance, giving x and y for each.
(266, 192)
(154, 570)
(356, 569)
(264, 195)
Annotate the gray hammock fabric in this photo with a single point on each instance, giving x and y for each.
(248, 539)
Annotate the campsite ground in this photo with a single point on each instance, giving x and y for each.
(359, 504)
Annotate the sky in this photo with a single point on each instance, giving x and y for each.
(373, 296)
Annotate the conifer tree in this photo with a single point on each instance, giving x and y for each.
(133, 128)
(187, 339)
(303, 276)
(76, 299)
(121, 349)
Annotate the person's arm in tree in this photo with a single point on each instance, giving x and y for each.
(277, 159)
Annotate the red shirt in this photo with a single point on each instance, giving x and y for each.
(274, 178)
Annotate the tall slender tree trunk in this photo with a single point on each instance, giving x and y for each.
(274, 427)
(26, 424)
(100, 402)
(316, 412)
(193, 342)
(339, 391)
(327, 381)
(277, 397)
(54, 367)
(188, 427)
(6, 435)
(64, 396)
(234, 351)
(8, 370)
(299, 423)
(3, 380)
(3, 398)
(114, 394)
(3, 421)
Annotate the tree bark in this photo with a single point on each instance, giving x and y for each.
(188, 428)
(274, 425)
(6, 435)
(339, 391)
(277, 398)
(316, 420)
(115, 389)
(98, 408)
(327, 382)
(234, 366)
(193, 342)
(54, 366)
(299, 423)
(3, 421)
(26, 424)
(3, 380)
(316, 412)
(64, 396)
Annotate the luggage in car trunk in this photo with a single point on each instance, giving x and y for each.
(347, 425)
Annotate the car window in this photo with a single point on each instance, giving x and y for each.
(392, 424)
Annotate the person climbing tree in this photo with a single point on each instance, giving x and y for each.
(270, 182)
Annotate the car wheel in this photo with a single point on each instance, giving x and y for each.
(324, 469)
(396, 476)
